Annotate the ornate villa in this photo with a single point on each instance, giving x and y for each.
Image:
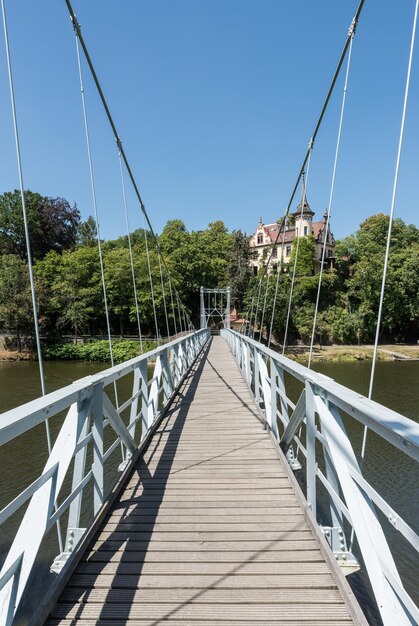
(301, 225)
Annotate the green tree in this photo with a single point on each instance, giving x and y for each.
(72, 281)
(15, 296)
(87, 232)
(239, 269)
(305, 259)
(52, 223)
(119, 286)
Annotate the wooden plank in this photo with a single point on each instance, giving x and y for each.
(207, 596)
(204, 568)
(206, 527)
(217, 503)
(298, 546)
(189, 535)
(183, 622)
(192, 581)
(176, 498)
(195, 556)
(214, 612)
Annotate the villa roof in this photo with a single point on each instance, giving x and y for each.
(271, 230)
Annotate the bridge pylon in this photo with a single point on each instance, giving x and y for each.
(215, 303)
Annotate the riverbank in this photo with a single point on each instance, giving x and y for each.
(124, 349)
(348, 354)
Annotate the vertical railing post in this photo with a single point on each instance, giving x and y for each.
(167, 381)
(273, 382)
(78, 472)
(97, 430)
(256, 376)
(248, 365)
(311, 447)
(143, 374)
(134, 406)
(282, 402)
(154, 392)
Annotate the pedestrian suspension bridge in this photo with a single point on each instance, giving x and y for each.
(210, 481)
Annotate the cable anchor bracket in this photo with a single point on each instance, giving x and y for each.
(352, 28)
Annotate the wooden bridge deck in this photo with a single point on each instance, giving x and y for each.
(208, 529)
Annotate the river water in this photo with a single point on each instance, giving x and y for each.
(394, 476)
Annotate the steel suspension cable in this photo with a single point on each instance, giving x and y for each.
(391, 215)
(316, 128)
(77, 29)
(294, 270)
(27, 241)
(95, 209)
(329, 208)
(151, 283)
(134, 282)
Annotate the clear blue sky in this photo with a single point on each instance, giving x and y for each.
(215, 101)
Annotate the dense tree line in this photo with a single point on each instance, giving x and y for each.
(69, 289)
(68, 278)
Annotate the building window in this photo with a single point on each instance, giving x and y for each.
(305, 231)
(288, 249)
(274, 253)
(329, 253)
(260, 238)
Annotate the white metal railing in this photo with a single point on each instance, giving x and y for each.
(315, 423)
(89, 412)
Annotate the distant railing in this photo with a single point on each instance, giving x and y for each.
(315, 427)
(156, 378)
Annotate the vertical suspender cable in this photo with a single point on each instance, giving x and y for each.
(332, 189)
(27, 237)
(95, 209)
(25, 217)
(151, 283)
(390, 223)
(134, 283)
(163, 292)
(257, 308)
(278, 272)
(294, 270)
(172, 303)
(179, 314)
(264, 306)
(249, 321)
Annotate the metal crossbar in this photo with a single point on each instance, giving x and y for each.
(215, 304)
(89, 412)
(317, 414)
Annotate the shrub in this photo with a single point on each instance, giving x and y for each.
(123, 350)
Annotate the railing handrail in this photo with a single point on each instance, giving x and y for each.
(397, 429)
(20, 419)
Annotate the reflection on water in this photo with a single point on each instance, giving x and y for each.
(394, 476)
